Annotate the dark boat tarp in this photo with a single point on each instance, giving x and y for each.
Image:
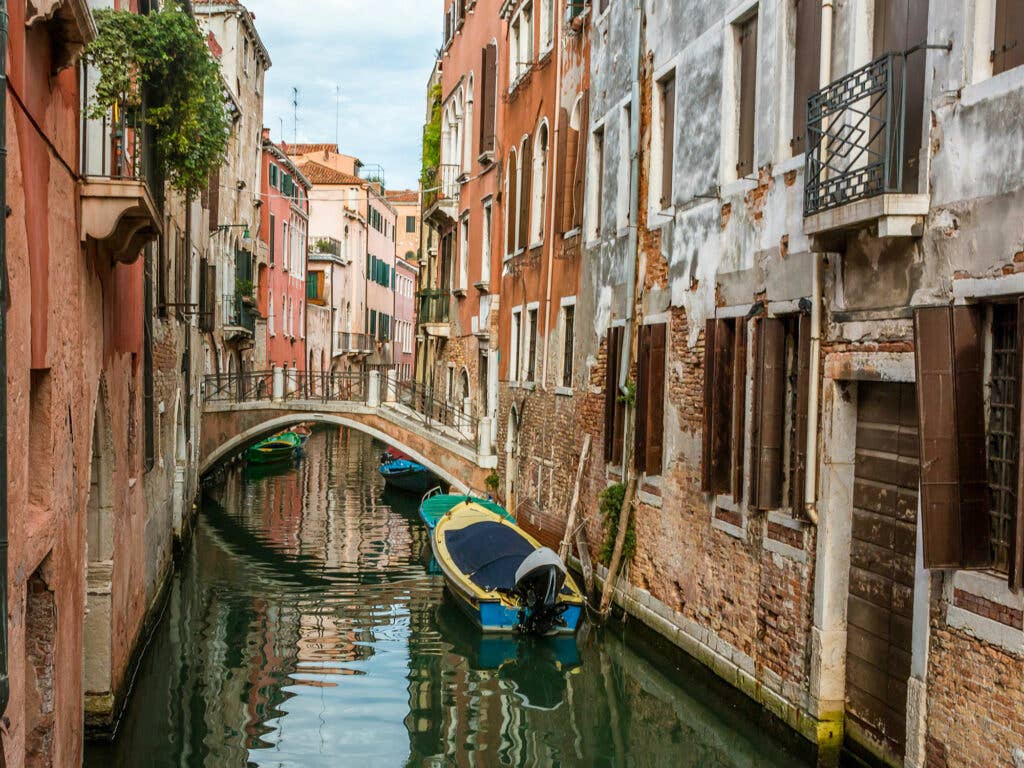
(488, 553)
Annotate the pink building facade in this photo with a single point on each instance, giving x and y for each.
(284, 225)
(403, 345)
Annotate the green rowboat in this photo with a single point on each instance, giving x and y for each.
(277, 448)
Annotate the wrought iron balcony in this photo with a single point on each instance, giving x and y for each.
(445, 187)
(238, 314)
(857, 143)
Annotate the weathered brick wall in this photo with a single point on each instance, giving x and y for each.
(975, 697)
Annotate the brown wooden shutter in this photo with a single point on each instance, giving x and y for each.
(718, 404)
(668, 137)
(769, 412)
(798, 460)
(642, 400)
(739, 407)
(525, 194)
(580, 166)
(568, 180)
(807, 69)
(951, 432)
(489, 98)
(614, 420)
(748, 83)
(511, 206)
(658, 345)
(1009, 38)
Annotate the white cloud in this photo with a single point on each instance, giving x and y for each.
(379, 51)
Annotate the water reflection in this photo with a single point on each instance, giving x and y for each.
(305, 630)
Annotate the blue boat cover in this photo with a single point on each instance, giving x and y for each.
(401, 467)
(488, 553)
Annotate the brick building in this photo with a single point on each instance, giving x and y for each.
(795, 342)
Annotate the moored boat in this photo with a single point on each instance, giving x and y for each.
(279, 447)
(434, 507)
(407, 475)
(501, 577)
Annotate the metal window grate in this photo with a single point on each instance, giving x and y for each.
(1003, 432)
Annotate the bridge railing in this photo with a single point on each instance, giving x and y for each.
(238, 387)
(325, 386)
(432, 410)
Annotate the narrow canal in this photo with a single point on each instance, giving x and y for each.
(305, 629)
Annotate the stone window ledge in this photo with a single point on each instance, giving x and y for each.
(982, 605)
(784, 535)
(728, 517)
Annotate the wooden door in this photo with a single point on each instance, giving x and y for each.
(884, 542)
(899, 26)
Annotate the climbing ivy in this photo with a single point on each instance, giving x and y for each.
(610, 504)
(161, 59)
(432, 140)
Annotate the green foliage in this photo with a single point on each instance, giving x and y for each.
(159, 63)
(243, 287)
(630, 397)
(493, 480)
(432, 140)
(610, 504)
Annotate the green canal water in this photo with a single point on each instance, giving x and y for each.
(304, 628)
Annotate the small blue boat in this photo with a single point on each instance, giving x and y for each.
(407, 475)
(501, 577)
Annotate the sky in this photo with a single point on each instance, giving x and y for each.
(380, 52)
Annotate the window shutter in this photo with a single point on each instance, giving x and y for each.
(525, 194)
(511, 207)
(572, 139)
(769, 412)
(489, 100)
(668, 138)
(580, 165)
(739, 391)
(807, 69)
(613, 435)
(561, 163)
(273, 232)
(213, 198)
(211, 295)
(798, 461)
(951, 432)
(748, 77)
(1009, 39)
(718, 402)
(655, 394)
(642, 399)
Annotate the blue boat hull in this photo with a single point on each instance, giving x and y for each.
(495, 617)
(409, 476)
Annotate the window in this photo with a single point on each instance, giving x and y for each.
(464, 251)
(547, 25)
(485, 243)
(273, 232)
(614, 407)
(667, 102)
(539, 185)
(969, 453)
(302, 324)
(649, 433)
(273, 176)
(806, 67)
(574, 181)
(781, 371)
(285, 246)
(245, 55)
(284, 317)
(622, 201)
(598, 181)
(568, 339)
(531, 345)
(746, 33)
(511, 224)
(513, 355)
(576, 7)
(725, 374)
(525, 195)
(410, 224)
(513, 52)
(270, 315)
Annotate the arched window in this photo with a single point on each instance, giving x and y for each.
(511, 221)
(467, 128)
(538, 185)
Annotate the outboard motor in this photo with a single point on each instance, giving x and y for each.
(539, 580)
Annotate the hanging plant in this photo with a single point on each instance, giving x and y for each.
(159, 63)
(610, 504)
(493, 480)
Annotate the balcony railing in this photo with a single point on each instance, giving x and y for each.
(354, 343)
(113, 146)
(434, 306)
(325, 245)
(856, 136)
(237, 312)
(445, 186)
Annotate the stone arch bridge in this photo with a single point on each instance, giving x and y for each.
(241, 409)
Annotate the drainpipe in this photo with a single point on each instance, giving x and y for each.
(634, 211)
(5, 689)
(814, 388)
(552, 197)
